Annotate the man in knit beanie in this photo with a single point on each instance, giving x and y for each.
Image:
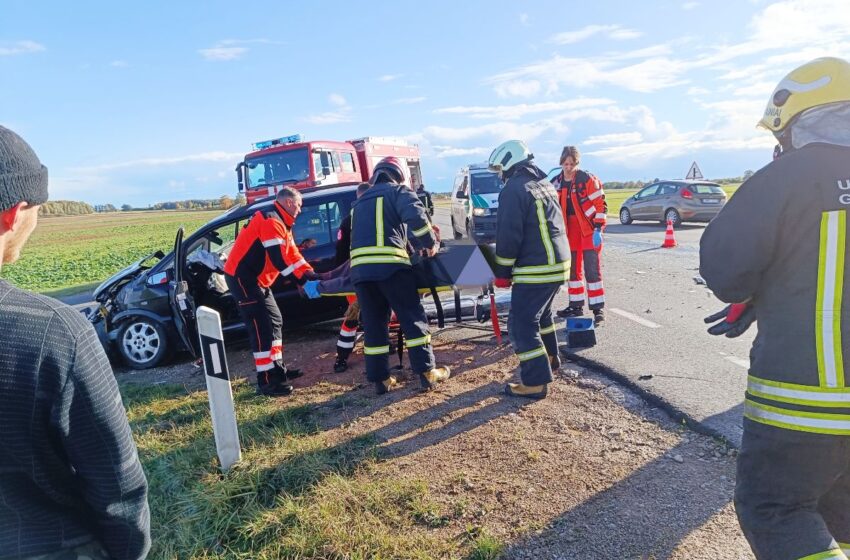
(72, 486)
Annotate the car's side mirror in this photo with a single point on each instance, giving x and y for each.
(461, 194)
(157, 279)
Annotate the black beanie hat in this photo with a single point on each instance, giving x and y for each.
(22, 177)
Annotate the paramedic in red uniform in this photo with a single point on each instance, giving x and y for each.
(263, 250)
(584, 208)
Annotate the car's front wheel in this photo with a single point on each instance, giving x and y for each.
(142, 343)
(625, 216)
(456, 233)
(672, 216)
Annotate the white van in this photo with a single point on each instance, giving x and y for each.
(475, 200)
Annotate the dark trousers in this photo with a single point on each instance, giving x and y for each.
(792, 494)
(262, 318)
(348, 331)
(399, 293)
(532, 330)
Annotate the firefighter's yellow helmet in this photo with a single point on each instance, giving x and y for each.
(819, 82)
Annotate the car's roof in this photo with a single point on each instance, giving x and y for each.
(685, 182)
(242, 211)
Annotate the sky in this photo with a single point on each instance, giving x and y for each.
(137, 103)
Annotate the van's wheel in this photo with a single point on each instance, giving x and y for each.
(469, 229)
(625, 216)
(456, 233)
(672, 215)
(142, 343)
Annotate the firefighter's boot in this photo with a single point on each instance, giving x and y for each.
(554, 363)
(598, 316)
(275, 390)
(340, 365)
(570, 312)
(385, 386)
(527, 391)
(430, 378)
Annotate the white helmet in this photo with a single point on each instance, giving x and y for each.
(508, 154)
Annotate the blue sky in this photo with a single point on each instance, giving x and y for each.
(152, 101)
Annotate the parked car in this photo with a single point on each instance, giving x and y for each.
(138, 316)
(674, 201)
(475, 201)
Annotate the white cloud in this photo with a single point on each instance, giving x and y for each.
(615, 32)
(518, 88)
(342, 113)
(215, 156)
(389, 77)
(223, 53)
(20, 47)
(627, 138)
(337, 100)
(523, 20)
(514, 112)
(409, 100)
(442, 152)
(119, 64)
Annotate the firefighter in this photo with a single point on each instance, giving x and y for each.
(778, 252)
(351, 320)
(532, 255)
(584, 208)
(263, 250)
(384, 220)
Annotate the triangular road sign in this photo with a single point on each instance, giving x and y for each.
(694, 172)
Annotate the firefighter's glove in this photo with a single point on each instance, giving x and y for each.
(311, 288)
(734, 320)
(502, 282)
(597, 238)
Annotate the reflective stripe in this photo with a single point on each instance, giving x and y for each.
(379, 221)
(422, 231)
(576, 284)
(364, 251)
(798, 394)
(594, 285)
(601, 216)
(258, 355)
(542, 269)
(577, 297)
(272, 242)
(830, 287)
(531, 354)
(291, 268)
(560, 278)
(264, 367)
(504, 262)
(379, 260)
(347, 332)
(594, 300)
(341, 344)
(547, 330)
(595, 195)
(544, 233)
(421, 341)
(376, 350)
(589, 211)
(821, 423)
(835, 553)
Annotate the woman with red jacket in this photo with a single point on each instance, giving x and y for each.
(584, 208)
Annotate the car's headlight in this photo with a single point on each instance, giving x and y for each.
(480, 211)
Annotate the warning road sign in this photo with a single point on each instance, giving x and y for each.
(694, 172)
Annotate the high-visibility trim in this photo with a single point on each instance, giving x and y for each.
(341, 344)
(423, 230)
(590, 211)
(544, 232)
(347, 332)
(531, 354)
(601, 216)
(593, 300)
(376, 350)
(504, 262)
(594, 195)
(272, 242)
(595, 285)
(387, 259)
(368, 251)
(379, 221)
(542, 269)
(560, 278)
(576, 284)
(830, 291)
(577, 297)
(813, 422)
(259, 355)
(291, 268)
(421, 341)
(547, 330)
(798, 394)
(835, 553)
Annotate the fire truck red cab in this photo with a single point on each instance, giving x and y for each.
(289, 161)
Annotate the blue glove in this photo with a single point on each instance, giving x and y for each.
(311, 288)
(597, 238)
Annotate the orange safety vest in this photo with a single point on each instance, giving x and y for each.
(588, 200)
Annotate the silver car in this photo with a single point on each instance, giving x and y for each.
(674, 201)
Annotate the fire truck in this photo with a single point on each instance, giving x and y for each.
(291, 161)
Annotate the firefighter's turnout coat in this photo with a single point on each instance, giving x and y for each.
(531, 250)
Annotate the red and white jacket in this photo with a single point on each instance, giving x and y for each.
(588, 200)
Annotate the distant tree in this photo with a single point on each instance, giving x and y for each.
(240, 198)
(225, 202)
(747, 174)
(126, 207)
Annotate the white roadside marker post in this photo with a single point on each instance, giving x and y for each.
(218, 388)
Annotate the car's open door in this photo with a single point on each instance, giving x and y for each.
(182, 305)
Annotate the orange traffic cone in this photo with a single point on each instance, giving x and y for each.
(669, 240)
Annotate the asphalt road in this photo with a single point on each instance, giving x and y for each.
(654, 336)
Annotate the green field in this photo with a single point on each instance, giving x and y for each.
(64, 252)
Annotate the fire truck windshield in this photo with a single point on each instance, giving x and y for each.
(290, 166)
